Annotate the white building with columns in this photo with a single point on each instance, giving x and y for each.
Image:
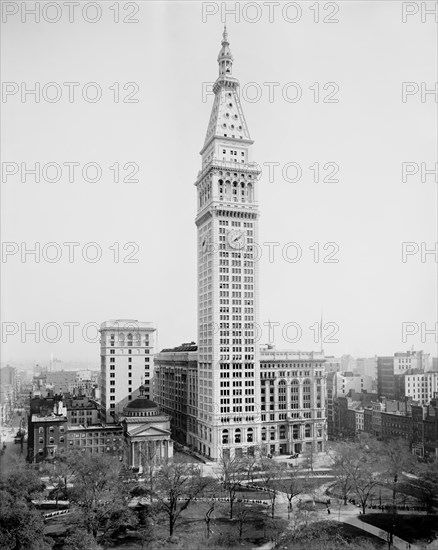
(146, 433)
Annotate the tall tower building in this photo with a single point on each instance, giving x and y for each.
(227, 222)
(127, 362)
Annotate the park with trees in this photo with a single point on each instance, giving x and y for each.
(241, 502)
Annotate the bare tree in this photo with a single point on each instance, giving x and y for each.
(99, 494)
(364, 480)
(397, 458)
(176, 487)
(230, 475)
(249, 463)
(305, 511)
(357, 468)
(242, 515)
(342, 469)
(272, 476)
(308, 455)
(427, 483)
(291, 484)
(207, 516)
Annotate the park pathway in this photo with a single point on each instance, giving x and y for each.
(349, 514)
(351, 517)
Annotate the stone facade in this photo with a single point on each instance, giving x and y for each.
(291, 413)
(227, 228)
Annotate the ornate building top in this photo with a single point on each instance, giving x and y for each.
(227, 119)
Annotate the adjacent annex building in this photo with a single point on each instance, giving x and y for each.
(291, 409)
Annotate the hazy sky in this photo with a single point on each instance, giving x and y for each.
(170, 54)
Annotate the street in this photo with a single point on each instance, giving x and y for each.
(12, 453)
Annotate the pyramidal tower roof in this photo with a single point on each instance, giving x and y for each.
(227, 118)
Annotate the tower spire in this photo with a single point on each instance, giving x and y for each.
(225, 58)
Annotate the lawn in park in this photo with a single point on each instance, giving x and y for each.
(409, 527)
(349, 533)
(190, 531)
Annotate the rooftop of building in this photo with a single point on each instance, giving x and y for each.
(409, 353)
(270, 353)
(95, 427)
(141, 403)
(49, 418)
(127, 325)
(80, 402)
(188, 346)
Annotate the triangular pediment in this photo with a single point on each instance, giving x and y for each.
(147, 431)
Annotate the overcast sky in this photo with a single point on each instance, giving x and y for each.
(170, 54)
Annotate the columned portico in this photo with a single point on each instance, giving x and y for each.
(147, 433)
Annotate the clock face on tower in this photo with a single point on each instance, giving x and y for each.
(236, 239)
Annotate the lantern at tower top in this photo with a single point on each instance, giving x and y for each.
(225, 57)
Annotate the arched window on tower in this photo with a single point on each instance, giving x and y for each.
(235, 191)
(221, 189)
(225, 437)
(306, 394)
(294, 394)
(282, 394)
(237, 435)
